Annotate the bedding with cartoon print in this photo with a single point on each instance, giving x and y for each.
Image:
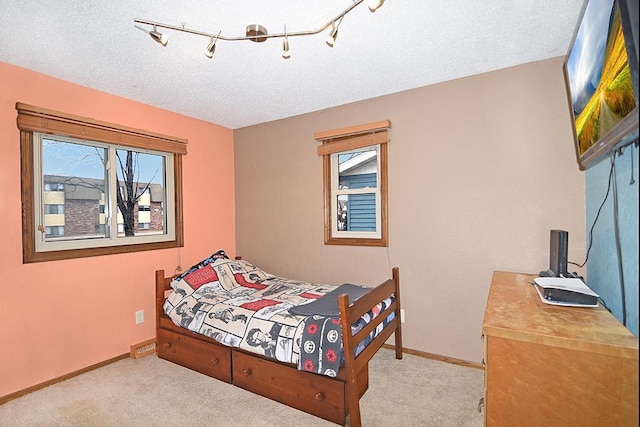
(239, 305)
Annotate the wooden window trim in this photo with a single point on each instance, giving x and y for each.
(36, 119)
(353, 130)
(101, 132)
(351, 138)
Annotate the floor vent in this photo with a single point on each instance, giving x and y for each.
(144, 348)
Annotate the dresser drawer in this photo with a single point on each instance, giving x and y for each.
(316, 394)
(209, 358)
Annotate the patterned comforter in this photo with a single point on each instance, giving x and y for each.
(239, 305)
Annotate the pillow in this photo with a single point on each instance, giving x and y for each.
(232, 274)
(220, 254)
(225, 270)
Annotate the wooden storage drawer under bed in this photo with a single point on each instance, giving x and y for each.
(209, 358)
(319, 395)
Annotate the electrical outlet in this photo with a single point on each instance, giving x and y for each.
(139, 317)
(402, 315)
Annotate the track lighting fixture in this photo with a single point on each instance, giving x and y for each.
(256, 33)
(161, 38)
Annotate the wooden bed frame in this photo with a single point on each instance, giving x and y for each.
(330, 398)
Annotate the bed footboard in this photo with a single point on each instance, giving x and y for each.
(348, 315)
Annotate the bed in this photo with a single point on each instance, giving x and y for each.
(234, 322)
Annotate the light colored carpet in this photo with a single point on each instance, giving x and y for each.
(150, 391)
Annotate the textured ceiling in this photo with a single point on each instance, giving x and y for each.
(403, 45)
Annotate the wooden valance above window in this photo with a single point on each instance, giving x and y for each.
(351, 138)
(36, 119)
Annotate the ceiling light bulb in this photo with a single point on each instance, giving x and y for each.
(159, 37)
(375, 4)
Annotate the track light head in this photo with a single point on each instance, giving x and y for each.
(210, 50)
(375, 4)
(159, 37)
(211, 47)
(155, 35)
(285, 44)
(331, 38)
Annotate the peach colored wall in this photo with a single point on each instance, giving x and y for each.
(59, 317)
(480, 169)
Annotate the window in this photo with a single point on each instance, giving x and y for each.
(355, 184)
(53, 209)
(88, 187)
(54, 231)
(355, 199)
(50, 186)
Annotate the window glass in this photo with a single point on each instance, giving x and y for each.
(356, 212)
(358, 169)
(139, 175)
(89, 188)
(74, 177)
(355, 204)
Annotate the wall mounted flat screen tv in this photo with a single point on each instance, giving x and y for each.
(601, 76)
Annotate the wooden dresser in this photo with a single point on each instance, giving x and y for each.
(555, 366)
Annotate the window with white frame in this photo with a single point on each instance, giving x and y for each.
(355, 184)
(355, 188)
(99, 188)
(92, 195)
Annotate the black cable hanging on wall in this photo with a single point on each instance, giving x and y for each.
(595, 221)
(612, 185)
(616, 224)
(616, 231)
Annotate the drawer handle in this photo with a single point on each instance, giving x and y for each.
(166, 345)
(320, 397)
(246, 372)
(214, 361)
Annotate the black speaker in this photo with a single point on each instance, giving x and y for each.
(558, 247)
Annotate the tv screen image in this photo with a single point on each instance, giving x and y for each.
(599, 73)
